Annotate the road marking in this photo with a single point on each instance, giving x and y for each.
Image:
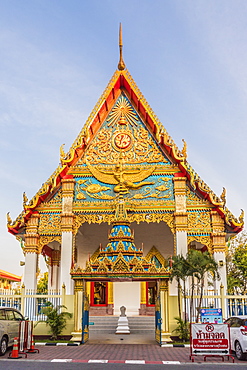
(98, 361)
(62, 360)
(135, 361)
(171, 362)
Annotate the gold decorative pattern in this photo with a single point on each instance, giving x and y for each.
(123, 178)
(201, 238)
(67, 222)
(50, 223)
(219, 242)
(68, 187)
(179, 185)
(143, 148)
(199, 222)
(122, 113)
(46, 239)
(181, 221)
(154, 252)
(168, 218)
(194, 200)
(31, 243)
(218, 224)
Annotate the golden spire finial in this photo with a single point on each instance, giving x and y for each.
(121, 64)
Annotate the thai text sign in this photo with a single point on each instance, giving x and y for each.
(210, 339)
(212, 315)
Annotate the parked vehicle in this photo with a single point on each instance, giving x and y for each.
(238, 334)
(9, 327)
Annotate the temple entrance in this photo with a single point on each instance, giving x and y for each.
(100, 317)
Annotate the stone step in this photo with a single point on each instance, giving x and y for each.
(108, 324)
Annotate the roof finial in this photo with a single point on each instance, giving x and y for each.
(121, 64)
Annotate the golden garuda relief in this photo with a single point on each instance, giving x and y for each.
(124, 179)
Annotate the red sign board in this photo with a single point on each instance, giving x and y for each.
(210, 339)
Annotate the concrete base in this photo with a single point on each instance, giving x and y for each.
(76, 336)
(166, 337)
(123, 326)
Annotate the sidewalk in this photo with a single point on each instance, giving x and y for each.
(114, 348)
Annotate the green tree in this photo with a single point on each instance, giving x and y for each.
(236, 264)
(180, 273)
(42, 285)
(55, 319)
(196, 265)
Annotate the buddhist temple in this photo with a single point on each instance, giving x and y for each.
(120, 204)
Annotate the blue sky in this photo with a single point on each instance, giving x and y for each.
(188, 57)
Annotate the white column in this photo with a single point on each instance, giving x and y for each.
(30, 271)
(180, 215)
(221, 260)
(67, 235)
(181, 239)
(66, 260)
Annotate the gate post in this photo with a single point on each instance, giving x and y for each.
(164, 300)
(78, 291)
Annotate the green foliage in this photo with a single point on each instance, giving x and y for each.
(182, 329)
(201, 264)
(55, 319)
(236, 264)
(42, 285)
(180, 273)
(195, 265)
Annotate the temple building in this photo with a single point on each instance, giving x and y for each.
(8, 280)
(121, 203)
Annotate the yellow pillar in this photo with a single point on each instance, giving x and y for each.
(164, 303)
(143, 292)
(110, 292)
(78, 293)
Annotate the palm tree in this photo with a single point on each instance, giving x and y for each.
(192, 262)
(180, 272)
(207, 264)
(200, 265)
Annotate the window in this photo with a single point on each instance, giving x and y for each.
(18, 316)
(2, 315)
(10, 315)
(98, 294)
(235, 323)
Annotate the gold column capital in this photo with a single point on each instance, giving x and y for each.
(218, 241)
(181, 221)
(218, 224)
(31, 243)
(68, 185)
(67, 220)
(79, 285)
(179, 185)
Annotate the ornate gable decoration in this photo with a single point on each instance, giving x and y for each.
(123, 123)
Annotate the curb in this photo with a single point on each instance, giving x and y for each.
(57, 344)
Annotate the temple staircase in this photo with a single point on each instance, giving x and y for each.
(144, 325)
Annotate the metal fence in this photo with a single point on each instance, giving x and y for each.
(232, 305)
(30, 302)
